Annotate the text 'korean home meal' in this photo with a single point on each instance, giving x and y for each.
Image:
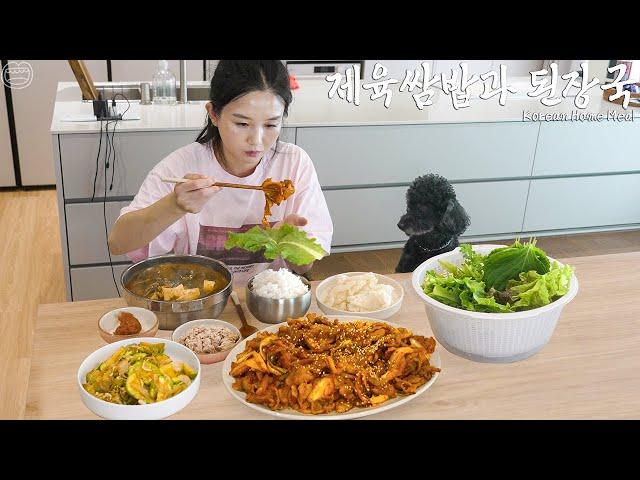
(316, 365)
(176, 282)
(139, 374)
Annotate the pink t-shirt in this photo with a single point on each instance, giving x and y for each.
(233, 209)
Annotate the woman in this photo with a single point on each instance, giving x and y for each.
(248, 102)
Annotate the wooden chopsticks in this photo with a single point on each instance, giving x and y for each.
(216, 184)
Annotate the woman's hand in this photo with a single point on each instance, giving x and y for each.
(296, 221)
(293, 219)
(191, 196)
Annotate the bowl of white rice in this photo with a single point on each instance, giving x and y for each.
(273, 296)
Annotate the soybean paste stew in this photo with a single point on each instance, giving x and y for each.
(176, 282)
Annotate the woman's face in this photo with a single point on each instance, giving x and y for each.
(249, 126)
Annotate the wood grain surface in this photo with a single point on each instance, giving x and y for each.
(588, 370)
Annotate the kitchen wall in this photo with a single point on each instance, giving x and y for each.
(33, 107)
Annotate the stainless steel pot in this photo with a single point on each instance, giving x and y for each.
(173, 314)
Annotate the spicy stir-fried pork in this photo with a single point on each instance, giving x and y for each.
(316, 365)
(275, 192)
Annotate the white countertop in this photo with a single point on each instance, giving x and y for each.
(312, 107)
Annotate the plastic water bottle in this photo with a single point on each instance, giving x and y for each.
(164, 85)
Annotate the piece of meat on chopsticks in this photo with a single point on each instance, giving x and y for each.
(275, 192)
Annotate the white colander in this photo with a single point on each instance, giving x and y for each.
(488, 337)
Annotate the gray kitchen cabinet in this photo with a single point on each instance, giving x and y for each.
(136, 155)
(32, 107)
(7, 176)
(567, 203)
(86, 231)
(90, 283)
(288, 135)
(364, 216)
(493, 207)
(83, 237)
(399, 153)
(569, 148)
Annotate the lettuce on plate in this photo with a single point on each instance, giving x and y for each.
(287, 241)
(522, 270)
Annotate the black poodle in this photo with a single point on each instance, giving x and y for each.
(433, 221)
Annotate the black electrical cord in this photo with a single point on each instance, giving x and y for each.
(95, 177)
(113, 167)
(128, 103)
(104, 210)
(113, 149)
(107, 152)
(109, 149)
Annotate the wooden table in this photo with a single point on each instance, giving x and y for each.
(588, 370)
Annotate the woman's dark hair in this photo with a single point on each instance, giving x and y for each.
(235, 78)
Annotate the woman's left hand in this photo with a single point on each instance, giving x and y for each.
(297, 221)
(293, 219)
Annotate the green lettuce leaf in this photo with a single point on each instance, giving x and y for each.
(461, 291)
(507, 263)
(535, 290)
(287, 241)
(465, 286)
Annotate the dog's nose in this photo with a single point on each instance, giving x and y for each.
(401, 224)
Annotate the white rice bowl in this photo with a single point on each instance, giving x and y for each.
(278, 284)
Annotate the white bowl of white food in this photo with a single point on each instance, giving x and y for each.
(357, 293)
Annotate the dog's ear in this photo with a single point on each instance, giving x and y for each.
(455, 219)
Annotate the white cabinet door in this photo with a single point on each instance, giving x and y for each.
(7, 178)
(136, 154)
(92, 283)
(377, 155)
(559, 203)
(143, 70)
(86, 232)
(569, 148)
(370, 215)
(33, 110)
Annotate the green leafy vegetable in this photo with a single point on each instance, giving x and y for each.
(466, 286)
(535, 290)
(287, 241)
(504, 264)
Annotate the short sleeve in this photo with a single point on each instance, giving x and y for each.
(175, 237)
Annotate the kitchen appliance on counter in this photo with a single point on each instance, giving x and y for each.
(321, 68)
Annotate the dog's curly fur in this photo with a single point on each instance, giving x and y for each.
(433, 221)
